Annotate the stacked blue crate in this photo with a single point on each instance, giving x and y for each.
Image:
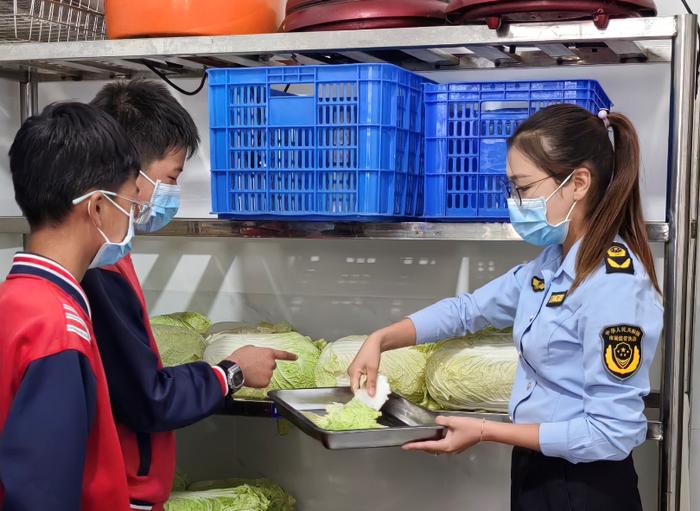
(316, 142)
(467, 126)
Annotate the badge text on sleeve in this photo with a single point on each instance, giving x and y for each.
(622, 350)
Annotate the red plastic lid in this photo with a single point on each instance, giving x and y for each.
(371, 24)
(546, 10)
(293, 5)
(353, 14)
(646, 7)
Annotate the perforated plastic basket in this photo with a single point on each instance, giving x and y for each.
(316, 142)
(467, 126)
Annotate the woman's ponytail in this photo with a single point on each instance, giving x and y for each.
(620, 207)
(564, 137)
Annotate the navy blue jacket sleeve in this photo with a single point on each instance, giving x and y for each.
(144, 398)
(43, 443)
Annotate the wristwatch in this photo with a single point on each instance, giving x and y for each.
(234, 375)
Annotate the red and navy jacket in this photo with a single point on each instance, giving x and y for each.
(148, 400)
(59, 448)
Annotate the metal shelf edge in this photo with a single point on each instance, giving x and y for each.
(633, 29)
(215, 228)
(657, 231)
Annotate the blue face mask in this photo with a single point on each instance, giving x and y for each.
(164, 205)
(529, 220)
(111, 253)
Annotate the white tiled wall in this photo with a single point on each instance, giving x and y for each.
(9, 123)
(325, 289)
(9, 245)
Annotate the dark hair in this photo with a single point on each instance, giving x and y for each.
(153, 119)
(561, 138)
(64, 152)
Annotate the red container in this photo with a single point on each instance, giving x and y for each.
(162, 18)
(293, 5)
(308, 15)
(496, 12)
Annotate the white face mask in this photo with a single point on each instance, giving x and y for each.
(111, 252)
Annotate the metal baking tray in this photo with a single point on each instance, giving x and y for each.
(404, 421)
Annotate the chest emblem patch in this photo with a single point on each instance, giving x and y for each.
(557, 299)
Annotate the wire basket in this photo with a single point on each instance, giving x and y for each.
(49, 21)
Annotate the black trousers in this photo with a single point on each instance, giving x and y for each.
(541, 483)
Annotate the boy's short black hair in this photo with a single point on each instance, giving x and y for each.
(64, 152)
(154, 120)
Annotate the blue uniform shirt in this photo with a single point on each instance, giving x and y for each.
(584, 362)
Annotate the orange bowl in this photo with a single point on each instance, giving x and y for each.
(162, 18)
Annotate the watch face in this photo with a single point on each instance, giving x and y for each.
(236, 376)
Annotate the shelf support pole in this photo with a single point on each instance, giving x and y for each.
(28, 97)
(676, 265)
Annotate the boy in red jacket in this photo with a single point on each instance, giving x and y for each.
(74, 175)
(149, 401)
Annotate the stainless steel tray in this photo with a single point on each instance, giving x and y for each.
(404, 421)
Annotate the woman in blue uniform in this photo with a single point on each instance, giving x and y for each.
(586, 317)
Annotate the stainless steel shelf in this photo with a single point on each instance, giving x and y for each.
(377, 231)
(338, 230)
(214, 228)
(13, 225)
(449, 47)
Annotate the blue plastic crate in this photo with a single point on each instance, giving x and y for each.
(316, 142)
(467, 126)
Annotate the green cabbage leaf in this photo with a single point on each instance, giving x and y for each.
(240, 498)
(193, 320)
(404, 368)
(279, 499)
(473, 373)
(345, 417)
(177, 344)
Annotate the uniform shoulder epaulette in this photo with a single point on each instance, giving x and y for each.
(618, 259)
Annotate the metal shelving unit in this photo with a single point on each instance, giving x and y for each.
(668, 39)
(214, 228)
(633, 40)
